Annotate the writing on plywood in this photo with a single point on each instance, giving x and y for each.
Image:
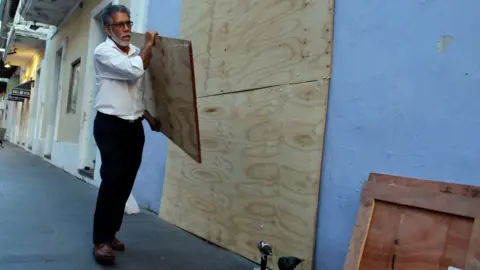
(169, 86)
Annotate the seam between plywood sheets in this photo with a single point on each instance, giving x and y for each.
(257, 88)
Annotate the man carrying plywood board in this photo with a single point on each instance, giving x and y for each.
(169, 87)
(118, 129)
(127, 93)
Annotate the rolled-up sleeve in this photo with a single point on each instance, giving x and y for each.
(112, 64)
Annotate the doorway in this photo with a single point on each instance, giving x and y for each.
(88, 147)
(34, 118)
(37, 104)
(25, 121)
(101, 36)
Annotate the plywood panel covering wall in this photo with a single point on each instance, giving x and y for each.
(241, 45)
(261, 128)
(260, 173)
(197, 19)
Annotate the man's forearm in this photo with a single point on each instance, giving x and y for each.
(147, 115)
(145, 54)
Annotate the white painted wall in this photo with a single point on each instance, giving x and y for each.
(38, 145)
(51, 130)
(88, 149)
(3, 102)
(56, 132)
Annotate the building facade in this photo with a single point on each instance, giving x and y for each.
(402, 97)
(51, 45)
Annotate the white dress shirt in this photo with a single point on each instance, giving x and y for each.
(119, 81)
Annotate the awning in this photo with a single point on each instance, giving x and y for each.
(48, 12)
(22, 90)
(8, 9)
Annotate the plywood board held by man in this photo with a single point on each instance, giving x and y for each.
(170, 92)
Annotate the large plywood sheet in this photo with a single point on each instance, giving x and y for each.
(260, 174)
(169, 85)
(241, 45)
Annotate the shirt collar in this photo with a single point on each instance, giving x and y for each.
(133, 49)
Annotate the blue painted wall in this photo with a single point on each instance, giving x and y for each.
(163, 17)
(397, 105)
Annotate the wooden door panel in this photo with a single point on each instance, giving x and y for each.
(379, 250)
(402, 237)
(431, 240)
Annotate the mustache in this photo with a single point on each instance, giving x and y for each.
(125, 35)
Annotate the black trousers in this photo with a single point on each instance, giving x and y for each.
(121, 146)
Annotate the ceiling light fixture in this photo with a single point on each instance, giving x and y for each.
(34, 26)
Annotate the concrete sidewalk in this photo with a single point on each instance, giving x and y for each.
(46, 223)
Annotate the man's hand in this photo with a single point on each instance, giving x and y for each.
(146, 52)
(150, 38)
(152, 121)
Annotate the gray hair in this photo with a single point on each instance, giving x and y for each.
(110, 10)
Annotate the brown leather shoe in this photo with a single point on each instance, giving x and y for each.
(118, 245)
(104, 253)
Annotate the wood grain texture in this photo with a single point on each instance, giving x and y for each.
(259, 178)
(261, 43)
(435, 224)
(241, 45)
(360, 232)
(429, 240)
(196, 25)
(378, 247)
(169, 85)
(439, 186)
(473, 255)
(426, 199)
(426, 240)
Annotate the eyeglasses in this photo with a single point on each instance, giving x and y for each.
(122, 24)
